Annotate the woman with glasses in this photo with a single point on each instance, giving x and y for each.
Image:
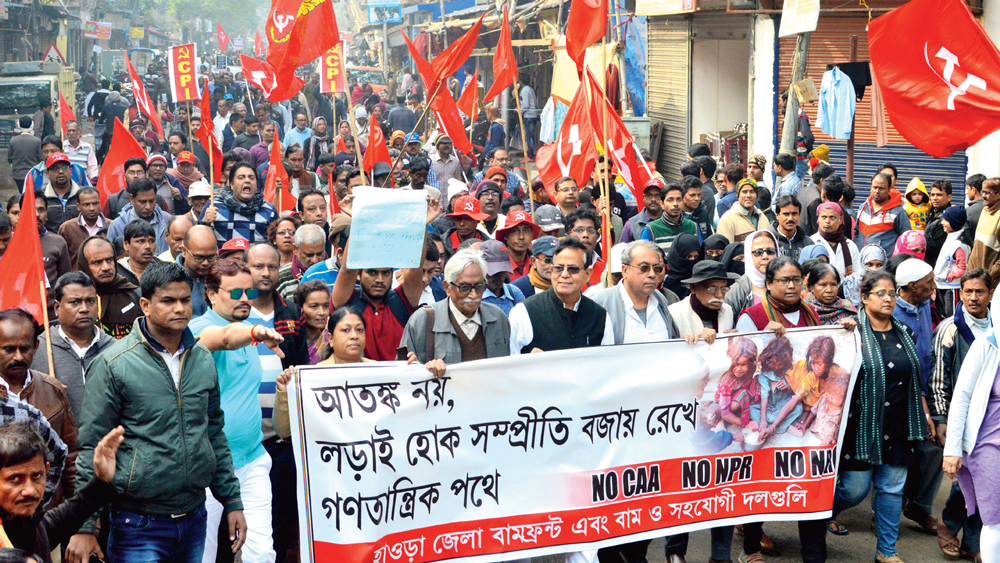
(281, 235)
(759, 248)
(782, 307)
(886, 416)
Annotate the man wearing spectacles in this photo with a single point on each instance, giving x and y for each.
(567, 195)
(637, 311)
(704, 313)
(539, 278)
(584, 225)
(489, 195)
(224, 330)
(561, 318)
(198, 253)
(461, 328)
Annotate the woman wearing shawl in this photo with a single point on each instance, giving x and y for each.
(759, 248)
(887, 416)
(972, 445)
(317, 144)
(397, 141)
(871, 257)
(782, 307)
(814, 251)
(911, 242)
(715, 247)
(822, 283)
(683, 255)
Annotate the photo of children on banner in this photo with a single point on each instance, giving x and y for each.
(762, 394)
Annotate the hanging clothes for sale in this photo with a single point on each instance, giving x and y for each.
(835, 116)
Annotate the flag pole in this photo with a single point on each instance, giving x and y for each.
(48, 332)
(415, 126)
(190, 136)
(605, 189)
(524, 143)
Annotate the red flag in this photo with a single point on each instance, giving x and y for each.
(933, 77)
(289, 24)
(504, 63)
(206, 134)
(22, 271)
(65, 112)
(111, 180)
(468, 102)
(258, 45)
(377, 151)
(573, 154)
(450, 122)
(616, 140)
(341, 147)
(334, 203)
(264, 76)
(585, 25)
(142, 99)
(275, 170)
(448, 62)
(223, 38)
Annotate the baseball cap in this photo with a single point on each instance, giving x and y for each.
(544, 245)
(549, 218)
(228, 97)
(467, 206)
(199, 188)
(56, 158)
(515, 219)
(136, 123)
(233, 245)
(185, 156)
(653, 184)
(342, 158)
(412, 138)
(497, 257)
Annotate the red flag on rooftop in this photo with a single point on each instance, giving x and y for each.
(504, 63)
(142, 99)
(22, 270)
(264, 76)
(616, 140)
(935, 77)
(223, 38)
(448, 62)
(468, 102)
(206, 134)
(573, 154)
(275, 170)
(299, 31)
(65, 113)
(123, 147)
(585, 25)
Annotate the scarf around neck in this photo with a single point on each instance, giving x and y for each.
(706, 314)
(868, 447)
(187, 180)
(776, 311)
(246, 209)
(838, 241)
(540, 283)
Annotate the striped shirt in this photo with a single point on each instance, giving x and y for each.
(271, 365)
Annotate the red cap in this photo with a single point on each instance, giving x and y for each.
(185, 156)
(235, 244)
(653, 183)
(55, 158)
(515, 219)
(493, 171)
(468, 206)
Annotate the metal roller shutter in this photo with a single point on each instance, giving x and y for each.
(909, 160)
(669, 89)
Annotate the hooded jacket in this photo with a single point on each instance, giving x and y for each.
(884, 226)
(69, 367)
(918, 214)
(118, 305)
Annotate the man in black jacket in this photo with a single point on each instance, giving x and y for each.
(23, 460)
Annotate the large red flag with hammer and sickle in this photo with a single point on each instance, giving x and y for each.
(299, 31)
(940, 82)
(223, 37)
(573, 154)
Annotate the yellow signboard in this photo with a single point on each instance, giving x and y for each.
(137, 32)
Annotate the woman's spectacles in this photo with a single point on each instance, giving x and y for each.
(762, 251)
(884, 295)
(285, 233)
(797, 280)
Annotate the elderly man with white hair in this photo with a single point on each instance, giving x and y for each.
(460, 328)
(308, 249)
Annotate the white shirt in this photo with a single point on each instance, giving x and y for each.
(11, 394)
(81, 352)
(655, 329)
(220, 123)
(92, 231)
(173, 364)
(469, 325)
(521, 333)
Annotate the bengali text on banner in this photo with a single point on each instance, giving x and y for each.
(567, 451)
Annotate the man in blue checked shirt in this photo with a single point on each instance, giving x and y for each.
(242, 213)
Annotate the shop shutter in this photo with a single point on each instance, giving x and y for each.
(668, 89)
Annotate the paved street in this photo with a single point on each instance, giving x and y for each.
(859, 545)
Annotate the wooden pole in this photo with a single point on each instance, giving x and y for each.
(850, 141)
(605, 189)
(790, 127)
(417, 124)
(48, 332)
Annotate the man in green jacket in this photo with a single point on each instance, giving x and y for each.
(671, 223)
(161, 385)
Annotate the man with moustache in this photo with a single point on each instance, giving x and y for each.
(117, 298)
(198, 253)
(140, 241)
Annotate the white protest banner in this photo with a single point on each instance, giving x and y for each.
(566, 451)
(387, 228)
